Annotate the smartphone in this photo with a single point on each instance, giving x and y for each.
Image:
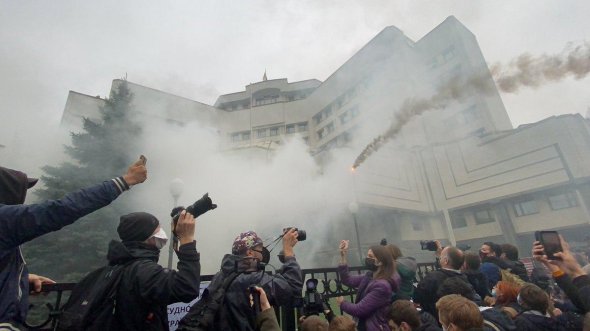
(551, 243)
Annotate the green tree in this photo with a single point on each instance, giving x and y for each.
(102, 151)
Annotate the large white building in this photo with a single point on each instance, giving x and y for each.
(461, 173)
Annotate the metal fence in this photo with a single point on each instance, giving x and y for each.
(329, 286)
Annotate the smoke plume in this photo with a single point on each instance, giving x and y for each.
(524, 71)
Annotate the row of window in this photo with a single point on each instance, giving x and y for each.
(269, 132)
(345, 117)
(466, 116)
(521, 208)
(443, 57)
(556, 202)
(335, 105)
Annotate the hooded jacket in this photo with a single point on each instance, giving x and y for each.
(21, 223)
(529, 321)
(372, 300)
(281, 289)
(406, 267)
(147, 288)
(479, 281)
(426, 291)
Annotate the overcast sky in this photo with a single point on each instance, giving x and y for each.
(201, 49)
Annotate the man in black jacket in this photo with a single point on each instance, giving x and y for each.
(510, 256)
(20, 223)
(281, 288)
(147, 288)
(451, 261)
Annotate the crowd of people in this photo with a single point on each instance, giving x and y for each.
(491, 290)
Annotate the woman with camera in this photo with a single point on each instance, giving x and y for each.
(374, 289)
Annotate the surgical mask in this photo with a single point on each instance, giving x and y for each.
(494, 292)
(161, 239)
(519, 300)
(482, 255)
(370, 264)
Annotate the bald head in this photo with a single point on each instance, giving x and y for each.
(452, 258)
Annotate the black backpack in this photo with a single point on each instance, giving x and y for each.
(202, 315)
(93, 302)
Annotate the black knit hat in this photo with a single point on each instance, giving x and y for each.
(137, 226)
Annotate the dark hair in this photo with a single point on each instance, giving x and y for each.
(534, 298)
(404, 311)
(387, 267)
(456, 257)
(472, 261)
(511, 251)
(497, 249)
(395, 251)
(455, 285)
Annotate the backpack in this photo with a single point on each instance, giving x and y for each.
(93, 302)
(202, 315)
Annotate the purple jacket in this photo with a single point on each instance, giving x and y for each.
(372, 301)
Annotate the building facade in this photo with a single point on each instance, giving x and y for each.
(459, 173)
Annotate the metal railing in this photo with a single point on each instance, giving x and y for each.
(329, 286)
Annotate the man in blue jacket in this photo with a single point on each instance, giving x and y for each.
(20, 223)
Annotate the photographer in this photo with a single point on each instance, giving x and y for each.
(147, 288)
(245, 264)
(22, 223)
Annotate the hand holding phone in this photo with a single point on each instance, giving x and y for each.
(551, 243)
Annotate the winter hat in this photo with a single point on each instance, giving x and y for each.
(137, 226)
(14, 185)
(245, 241)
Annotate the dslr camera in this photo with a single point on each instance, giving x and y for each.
(197, 209)
(428, 245)
(301, 234)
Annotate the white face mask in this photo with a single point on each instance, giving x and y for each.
(160, 238)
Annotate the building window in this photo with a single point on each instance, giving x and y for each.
(330, 128)
(235, 137)
(484, 216)
(266, 100)
(417, 226)
(563, 200)
(261, 133)
(525, 207)
(458, 220)
(274, 131)
(344, 118)
(321, 134)
(245, 135)
(291, 128)
(302, 127)
(470, 115)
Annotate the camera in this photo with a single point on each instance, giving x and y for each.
(428, 245)
(197, 209)
(301, 235)
(313, 302)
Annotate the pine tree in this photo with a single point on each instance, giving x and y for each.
(102, 151)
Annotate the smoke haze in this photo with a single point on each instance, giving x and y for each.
(525, 71)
